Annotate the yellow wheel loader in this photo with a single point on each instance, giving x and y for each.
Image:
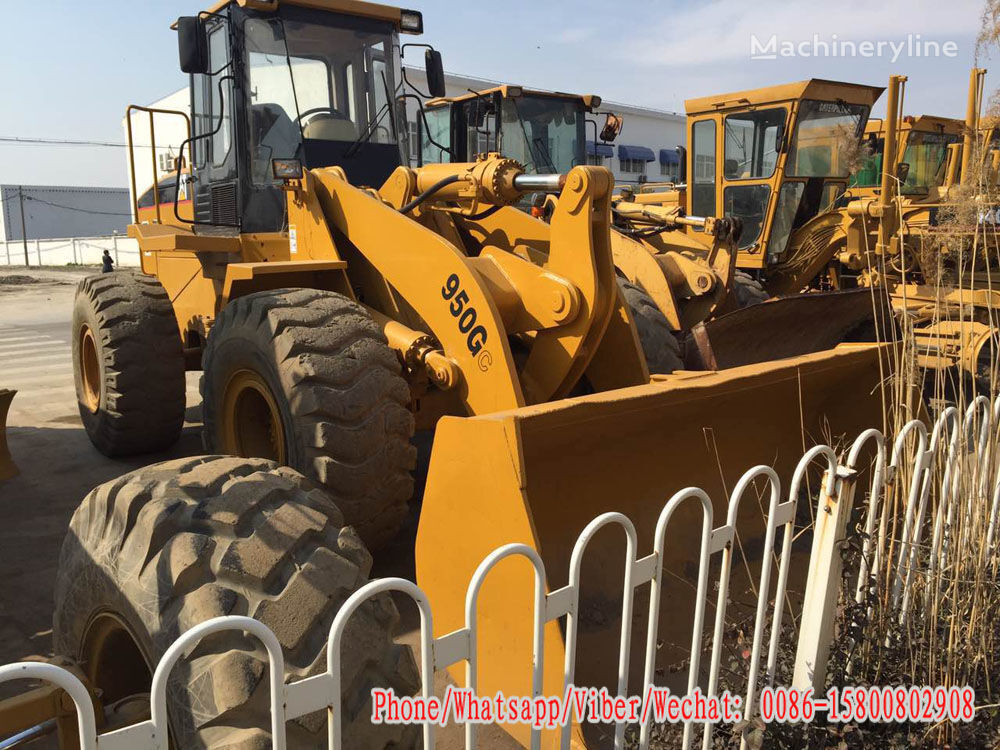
(677, 270)
(671, 280)
(334, 300)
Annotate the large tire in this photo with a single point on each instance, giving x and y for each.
(659, 345)
(128, 364)
(747, 290)
(337, 406)
(157, 551)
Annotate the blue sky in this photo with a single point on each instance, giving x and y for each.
(70, 68)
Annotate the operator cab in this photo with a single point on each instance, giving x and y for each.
(290, 85)
(544, 131)
(922, 155)
(774, 157)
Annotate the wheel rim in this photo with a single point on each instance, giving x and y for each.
(113, 660)
(251, 420)
(90, 369)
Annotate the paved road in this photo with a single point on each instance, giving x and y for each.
(59, 466)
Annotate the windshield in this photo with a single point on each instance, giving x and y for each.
(926, 154)
(435, 135)
(322, 88)
(543, 133)
(826, 139)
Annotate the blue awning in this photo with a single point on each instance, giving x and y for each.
(600, 149)
(639, 153)
(669, 156)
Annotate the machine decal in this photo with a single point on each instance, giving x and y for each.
(465, 313)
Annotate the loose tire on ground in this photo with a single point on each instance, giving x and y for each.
(161, 549)
(305, 377)
(128, 364)
(747, 290)
(662, 350)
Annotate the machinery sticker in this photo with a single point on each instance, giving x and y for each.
(293, 239)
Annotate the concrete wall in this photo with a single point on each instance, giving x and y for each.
(62, 211)
(75, 250)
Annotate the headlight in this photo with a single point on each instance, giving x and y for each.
(411, 22)
(286, 169)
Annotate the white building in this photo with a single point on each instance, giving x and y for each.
(645, 150)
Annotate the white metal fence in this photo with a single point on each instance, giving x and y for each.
(834, 505)
(71, 250)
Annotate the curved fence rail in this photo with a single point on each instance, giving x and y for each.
(958, 452)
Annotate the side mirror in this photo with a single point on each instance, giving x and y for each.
(612, 127)
(682, 167)
(902, 172)
(192, 43)
(435, 73)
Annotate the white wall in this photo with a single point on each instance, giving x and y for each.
(75, 250)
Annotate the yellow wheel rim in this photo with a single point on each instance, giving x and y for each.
(90, 369)
(251, 420)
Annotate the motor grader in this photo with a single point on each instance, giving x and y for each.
(788, 156)
(885, 231)
(334, 299)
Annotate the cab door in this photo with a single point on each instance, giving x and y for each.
(215, 185)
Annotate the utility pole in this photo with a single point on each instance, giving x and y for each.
(24, 231)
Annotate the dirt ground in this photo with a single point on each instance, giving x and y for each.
(58, 466)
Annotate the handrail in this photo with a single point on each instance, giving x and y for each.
(152, 142)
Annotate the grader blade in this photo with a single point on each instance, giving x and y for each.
(7, 466)
(791, 327)
(539, 474)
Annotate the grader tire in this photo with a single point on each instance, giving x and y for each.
(305, 378)
(659, 345)
(128, 364)
(155, 552)
(748, 290)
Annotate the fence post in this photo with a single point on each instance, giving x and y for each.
(823, 584)
(38, 251)
(114, 244)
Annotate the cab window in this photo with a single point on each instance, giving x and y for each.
(752, 143)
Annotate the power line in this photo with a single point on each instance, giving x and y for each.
(67, 142)
(76, 208)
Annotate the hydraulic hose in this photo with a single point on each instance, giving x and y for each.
(429, 192)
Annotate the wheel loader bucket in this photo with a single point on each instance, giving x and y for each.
(7, 467)
(538, 475)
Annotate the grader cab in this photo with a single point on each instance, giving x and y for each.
(335, 299)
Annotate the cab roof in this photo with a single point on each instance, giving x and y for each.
(814, 88)
(589, 100)
(921, 124)
(347, 7)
